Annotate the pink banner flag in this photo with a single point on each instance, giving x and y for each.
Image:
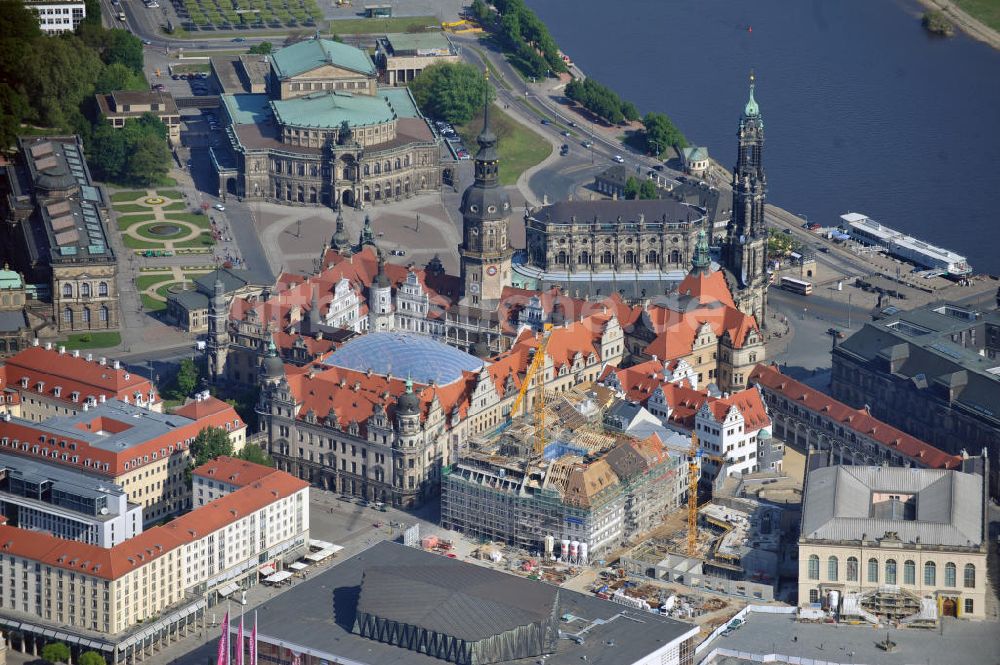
(223, 655)
(239, 643)
(253, 641)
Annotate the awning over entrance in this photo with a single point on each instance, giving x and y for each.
(298, 565)
(319, 544)
(228, 589)
(266, 570)
(319, 556)
(280, 576)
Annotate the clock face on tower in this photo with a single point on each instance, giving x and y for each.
(473, 288)
(491, 271)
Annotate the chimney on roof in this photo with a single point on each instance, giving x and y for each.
(90, 357)
(76, 353)
(35, 342)
(48, 346)
(116, 365)
(86, 405)
(102, 361)
(62, 350)
(102, 398)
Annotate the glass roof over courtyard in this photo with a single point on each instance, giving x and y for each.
(418, 357)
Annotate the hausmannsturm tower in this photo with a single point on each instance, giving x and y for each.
(744, 253)
(485, 250)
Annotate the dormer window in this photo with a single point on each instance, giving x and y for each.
(40, 386)
(75, 396)
(57, 391)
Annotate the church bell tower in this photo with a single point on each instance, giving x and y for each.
(485, 250)
(745, 249)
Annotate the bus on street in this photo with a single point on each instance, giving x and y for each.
(799, 286)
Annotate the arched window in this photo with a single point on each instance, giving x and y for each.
(406, 160)
(813, 567)
(950, 574)
(85, 290)
(629, 257)
(378, 168)
(832, 565)
(388, 167)
(312, 195)
(102, 289)
(652, 257)
(397, 163)
(909, 572)
(68, 316)
(67, 290)
(301, 194)
(104, 314)
(606, 259)
(969, 579)
(930, 574)
(675, 256)
(890, 571)
(561, 258)
(852, 569)
(873, 571)
(86, 316)
(367, 170)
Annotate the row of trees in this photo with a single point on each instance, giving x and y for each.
(57, 652)
(530, 46)
(601, 100)
(450, 91)
(636, 189)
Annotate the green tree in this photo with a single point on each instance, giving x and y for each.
(210, 443)
(631, 188)
(149, 160)
(91, 658)
(18, 22)
(647, 190)
(254, 453)
(117, 76)
(125, 48)
(55, 652)
(450, 91)
(264, 48)
(780, 243)
(107, 153)
(187, 378)
(13, 107)
(630, 112)
(481, 12)
(660, 133)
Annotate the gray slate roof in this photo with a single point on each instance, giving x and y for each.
(838, 505)
(319, 615)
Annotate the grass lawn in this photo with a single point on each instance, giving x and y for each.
(131, 207)
(143, 282)
(367, 26)
(127, 196)
(191, 68)
(167, 181)
(135, 243)
(987, 11)
(125, 221)
(145, 232)
(176, 206)
(151, 304)
(170, 194)
(520, 148)
(204, 240)
(201, 221)
(93, 340)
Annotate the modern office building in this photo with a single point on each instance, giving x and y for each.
(66, 503)
(59, 16)
(395, 604)
(401, 57)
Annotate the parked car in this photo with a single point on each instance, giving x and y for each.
(464, 154)
(619, 159)
(545, 121)
(566, 133)
(219, 207)
(588, 144)
(564, 150)
(839, 334)
(238, 40)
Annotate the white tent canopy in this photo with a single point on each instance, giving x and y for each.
(279, 576)
(298, 565)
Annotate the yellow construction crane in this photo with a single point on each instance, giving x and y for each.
(538, 362)
(694, 472)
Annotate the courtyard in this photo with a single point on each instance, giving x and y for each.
(161, 223)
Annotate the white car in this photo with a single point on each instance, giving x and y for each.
(219, 207)
(619, 159)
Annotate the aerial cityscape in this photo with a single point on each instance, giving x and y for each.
(513, 332)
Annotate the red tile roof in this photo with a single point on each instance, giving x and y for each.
(233, 471)
(112, 563)
(197, 409)
(71, 374)
(857, 420)
(750, 405)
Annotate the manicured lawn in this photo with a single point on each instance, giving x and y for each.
(204, 240)
(367, 26)
(144, 231)
(134, 243)
(178, 206)
(170, 193)
(201, 221)
(126, 196)
(519, 147)
(152, 304)
(125, 221)
(131, 207)
(987, 11)
(93, 340)
(143, 282)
